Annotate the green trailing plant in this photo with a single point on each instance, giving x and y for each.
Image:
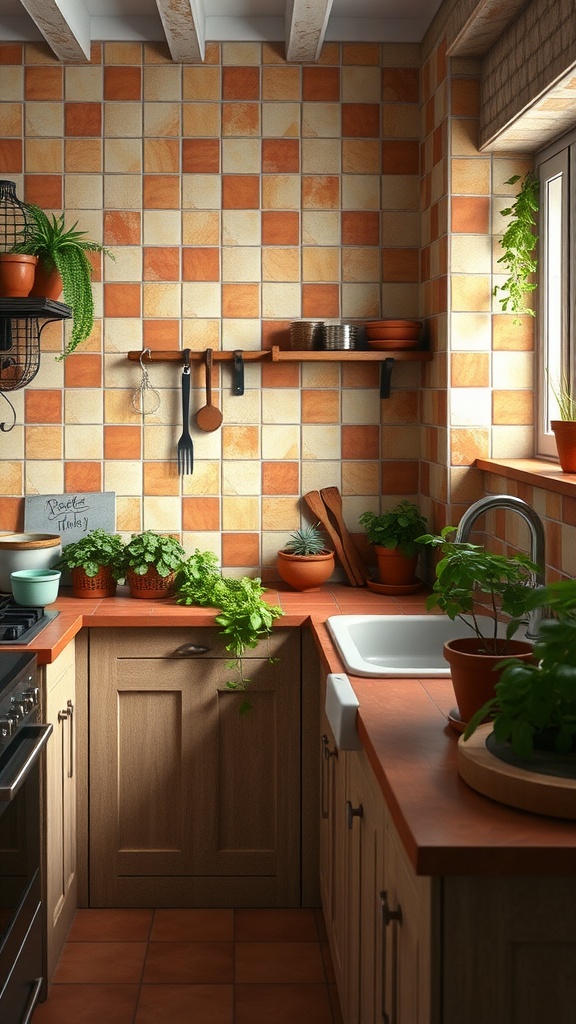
(518, 243)
(465, 573)
(308, 540)
(65, 248)
(565, 398)
(160, 550)
(98, 548)
(400, 527)
(535, 703)
(245, 616)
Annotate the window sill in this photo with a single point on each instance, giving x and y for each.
(536, 472)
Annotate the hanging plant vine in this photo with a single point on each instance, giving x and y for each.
(518, 242)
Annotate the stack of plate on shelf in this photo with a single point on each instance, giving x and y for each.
(306, 334)
(340, 336)
(393, 334)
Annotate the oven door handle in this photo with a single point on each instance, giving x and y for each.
(14, 774)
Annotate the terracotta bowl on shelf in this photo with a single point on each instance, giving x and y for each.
(398, 344)
(392, 333)
(394, 323)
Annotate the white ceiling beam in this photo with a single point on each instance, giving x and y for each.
(65, 25)
(184, 24)
(306, 23)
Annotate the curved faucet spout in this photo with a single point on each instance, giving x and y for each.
(537, 539)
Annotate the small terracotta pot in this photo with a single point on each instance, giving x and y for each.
(394, 568)
(565, 434)
(305, 572)
(16, 274)
(101, 585)
(151, 585)
(47, 283)
(473, 674)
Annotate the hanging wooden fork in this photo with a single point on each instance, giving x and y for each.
(185, 446)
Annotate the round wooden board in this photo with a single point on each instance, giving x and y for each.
(529, 791)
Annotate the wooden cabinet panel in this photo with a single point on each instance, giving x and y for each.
(185, 787)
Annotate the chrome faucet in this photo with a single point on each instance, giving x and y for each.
(537, 540)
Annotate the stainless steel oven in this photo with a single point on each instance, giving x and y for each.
(22, 739)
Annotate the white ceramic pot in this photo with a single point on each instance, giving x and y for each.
(26, 551)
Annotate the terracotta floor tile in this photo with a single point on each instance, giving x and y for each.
(209, 963)
(185, 1004)
(111, 926)
(282, 1004)
(97, 962)
(291, 962)
(275, 926)
(192, 925)
(88, 1004)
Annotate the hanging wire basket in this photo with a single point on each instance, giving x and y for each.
(19, 352)
(14, 217)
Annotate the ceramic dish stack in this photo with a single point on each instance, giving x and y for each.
(306, 334)
(340, 336)
(393, 334)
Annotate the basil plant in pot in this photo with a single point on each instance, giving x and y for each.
(395, 536)
(96, 563)
(151, 563)
(489, 593)
(534, 704)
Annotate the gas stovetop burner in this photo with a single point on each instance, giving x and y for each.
(19, 624)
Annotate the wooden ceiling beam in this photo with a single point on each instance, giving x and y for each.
(65, 25)
(306, 24)
(184, 24)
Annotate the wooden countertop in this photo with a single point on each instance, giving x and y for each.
(446, 827)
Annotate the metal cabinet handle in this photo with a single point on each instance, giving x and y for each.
(327, 753)
(191, 651)
(353, 812)
(387, 917)
(67, 715)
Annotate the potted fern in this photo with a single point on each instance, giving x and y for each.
(306, 563)
(151, 561)
(564, 429)
(63, 266)
(96, 563)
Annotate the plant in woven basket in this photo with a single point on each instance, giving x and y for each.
(308, 540)
(157, 550)
(91, 553)
(65, 248)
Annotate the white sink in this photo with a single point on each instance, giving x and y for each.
(394, 645)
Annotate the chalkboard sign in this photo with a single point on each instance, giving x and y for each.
(70, 515)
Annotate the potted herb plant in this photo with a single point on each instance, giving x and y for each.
(395, 536)
(564, 429)
(245, 615)
(151, 561)
(483, 590)
(518, 243)
(96, 563)
(534, 705)
(306, 563)
(63, 266)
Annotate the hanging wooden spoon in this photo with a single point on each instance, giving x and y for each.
(209, 416)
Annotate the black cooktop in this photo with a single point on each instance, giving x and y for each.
(18, 623)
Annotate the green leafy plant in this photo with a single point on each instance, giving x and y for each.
(565, 398)
(308, 540)
(518, 243)
(65, 248)
(535, 704)
(147, 549)
(400, 527)
(465, 572)
(98, 548)
(245, 616)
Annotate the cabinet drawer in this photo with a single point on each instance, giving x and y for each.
(163, 642)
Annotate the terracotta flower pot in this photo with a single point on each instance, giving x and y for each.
(394, 568)
(151, 585)
(47, 283)
(16, 275)
(305, 572)
(473, 674)
(565, 434)
(101, 585)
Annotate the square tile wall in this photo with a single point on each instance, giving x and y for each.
(236, 195)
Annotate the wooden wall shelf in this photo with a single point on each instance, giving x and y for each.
(278, 355)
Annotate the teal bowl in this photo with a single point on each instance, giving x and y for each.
(35, 587)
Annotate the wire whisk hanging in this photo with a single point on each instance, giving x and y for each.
(145, 399)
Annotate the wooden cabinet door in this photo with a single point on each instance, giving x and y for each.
(191, 802)
(60, 700)
(333, 855)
